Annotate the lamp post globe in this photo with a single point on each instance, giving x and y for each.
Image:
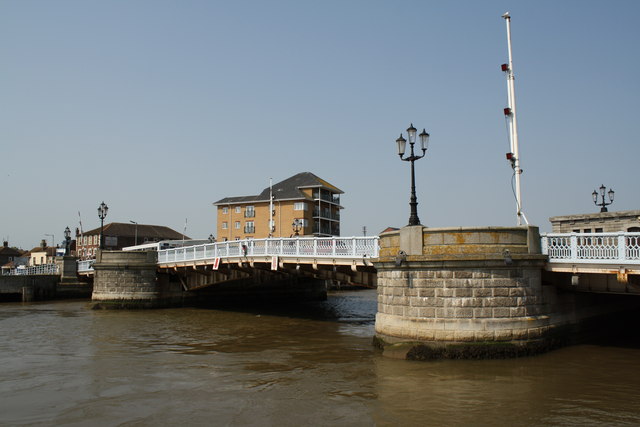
(602, 191)
(297, 226)
(424, 145)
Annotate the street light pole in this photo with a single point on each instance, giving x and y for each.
(136, 232)
(424, 144)
(603, 205)
(102, 214)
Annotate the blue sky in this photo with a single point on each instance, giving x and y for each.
(160, 108)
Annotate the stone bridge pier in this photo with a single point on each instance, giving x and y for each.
(129, 280)
(469, 292)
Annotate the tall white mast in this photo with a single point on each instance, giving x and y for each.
(270, 207)
(510, 113)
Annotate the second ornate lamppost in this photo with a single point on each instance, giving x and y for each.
(424, 144)
(67, 241)
(102, 214)
(603, 205)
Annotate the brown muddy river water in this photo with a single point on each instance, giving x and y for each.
(63, 364)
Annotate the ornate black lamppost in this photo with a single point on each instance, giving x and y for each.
(603, 204)
(297, 226)
(424, 144)
(67, 241)
(102, 214)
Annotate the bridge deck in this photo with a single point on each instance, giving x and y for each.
(298, 250)
(606, 253)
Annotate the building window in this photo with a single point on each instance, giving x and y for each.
(237, 225)
(300, 206)
(225, 225)
(249, 227)
(249, 212)
(238, 209)
(225, 210)
(598, 230)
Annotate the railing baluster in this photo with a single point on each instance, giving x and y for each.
(622, 247)
(574, 248)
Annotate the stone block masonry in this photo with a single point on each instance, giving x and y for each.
(469, 306)
(472, 291)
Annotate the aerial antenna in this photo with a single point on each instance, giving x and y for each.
(512, 124)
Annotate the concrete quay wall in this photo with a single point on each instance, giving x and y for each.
(470, 292)
(28, 288)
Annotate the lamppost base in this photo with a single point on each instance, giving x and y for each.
(412, 239)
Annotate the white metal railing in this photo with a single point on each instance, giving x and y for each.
(33, 270)
(86, 265)
(593, 248)
(311, 247)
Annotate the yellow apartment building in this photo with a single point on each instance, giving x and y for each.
(303, 203)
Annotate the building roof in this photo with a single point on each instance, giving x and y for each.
(124, 229)
(289, 189)
(50, 250)
(7, 251)
(597, 215)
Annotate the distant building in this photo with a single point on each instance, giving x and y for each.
(8, 254)
(42, 254)
(118, 235)
(601, 222)
(304, 197)
(388, 229)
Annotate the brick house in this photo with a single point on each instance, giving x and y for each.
(309, 201)
(8, 254)
(118, 235)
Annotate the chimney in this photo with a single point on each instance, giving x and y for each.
(43, 244)
(5, 244)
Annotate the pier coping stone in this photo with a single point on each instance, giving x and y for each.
(125, 260)
(462, 242)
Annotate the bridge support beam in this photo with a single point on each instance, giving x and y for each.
(468, 292)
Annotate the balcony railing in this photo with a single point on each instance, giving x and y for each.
(326, 214)
(602, 248)
(327, 197)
